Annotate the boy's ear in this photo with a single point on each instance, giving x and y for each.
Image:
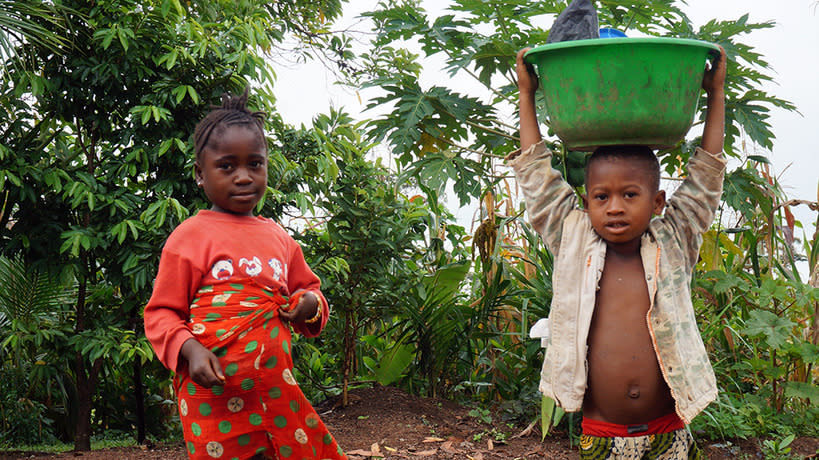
(585, 199)
(659, 202)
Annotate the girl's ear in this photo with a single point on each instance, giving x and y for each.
(659, 202)
(197, 171)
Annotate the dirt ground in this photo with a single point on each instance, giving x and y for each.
(387, 423)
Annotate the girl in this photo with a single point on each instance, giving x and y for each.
(229, 285)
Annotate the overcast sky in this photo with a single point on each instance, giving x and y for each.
(791, 48)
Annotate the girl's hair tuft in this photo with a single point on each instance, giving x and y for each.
(233, 111)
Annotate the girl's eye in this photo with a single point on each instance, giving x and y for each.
(224, 166)
(600, 197)
(630, 194)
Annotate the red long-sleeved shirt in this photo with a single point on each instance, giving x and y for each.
(213, 246)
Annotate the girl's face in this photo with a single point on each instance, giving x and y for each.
(232, 170)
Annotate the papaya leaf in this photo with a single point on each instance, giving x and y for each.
(774, 329)
(802, 390)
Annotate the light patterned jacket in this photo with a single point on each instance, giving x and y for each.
(669, 250)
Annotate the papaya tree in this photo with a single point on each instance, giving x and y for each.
(455, 129)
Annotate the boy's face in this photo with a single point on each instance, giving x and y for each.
(620, 199)
(232, 170)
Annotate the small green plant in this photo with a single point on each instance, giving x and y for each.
(482, 414)
(777, 450)
(497, 436)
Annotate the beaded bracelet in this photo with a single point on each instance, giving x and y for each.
(318, 312)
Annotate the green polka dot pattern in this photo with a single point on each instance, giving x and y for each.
(286, 451)
(260, 408)
(255, 419)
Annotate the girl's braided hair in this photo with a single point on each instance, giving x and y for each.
(233, 111)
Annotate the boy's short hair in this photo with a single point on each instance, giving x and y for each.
(641, 154)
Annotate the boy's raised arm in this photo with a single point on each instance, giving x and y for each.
(713, 134)
(527, 85)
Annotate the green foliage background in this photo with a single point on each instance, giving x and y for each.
(99, 102)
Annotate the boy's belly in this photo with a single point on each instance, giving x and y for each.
(625, 385)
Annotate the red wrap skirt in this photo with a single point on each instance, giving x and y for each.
(260, 409)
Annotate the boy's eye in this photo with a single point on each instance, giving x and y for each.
(600, 197)
(630, 194)
(224, 166)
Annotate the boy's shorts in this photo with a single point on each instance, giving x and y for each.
(664, 438)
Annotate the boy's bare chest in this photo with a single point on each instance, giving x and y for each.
(623, 284)
(622, 301)
(624, 381)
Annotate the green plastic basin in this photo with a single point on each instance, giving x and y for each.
(621, 91)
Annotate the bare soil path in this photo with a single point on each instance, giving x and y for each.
(385, 422)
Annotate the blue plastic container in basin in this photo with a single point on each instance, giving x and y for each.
(608, 32)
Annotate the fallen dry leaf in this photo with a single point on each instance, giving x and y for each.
(427, 453)
(489, 444)
(447, 447)
(433, 439)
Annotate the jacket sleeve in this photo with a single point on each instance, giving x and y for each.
(301, 279)
(692, 208)
(549, 199)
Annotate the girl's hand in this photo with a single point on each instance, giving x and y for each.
(527, 79)
(203, 365)
(305, 309)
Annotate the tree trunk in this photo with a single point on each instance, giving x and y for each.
(82, 433)
(814, 281)
(139, 389)
(85, 379)
(349, 342)
(140, 402)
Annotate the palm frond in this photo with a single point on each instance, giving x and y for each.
(27, 22)
(28, 295)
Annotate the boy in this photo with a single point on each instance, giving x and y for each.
(624, 344)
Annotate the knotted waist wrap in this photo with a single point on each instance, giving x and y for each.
(260, 408)
(241, 306)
